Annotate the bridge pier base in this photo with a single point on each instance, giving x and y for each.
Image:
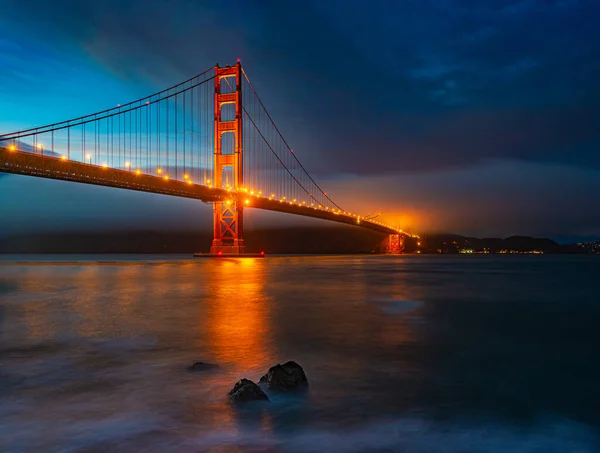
(393, 244)
(220, 249)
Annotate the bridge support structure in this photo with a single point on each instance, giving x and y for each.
(228, 161)
(393, 244)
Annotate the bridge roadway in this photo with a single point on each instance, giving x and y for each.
(24, 163)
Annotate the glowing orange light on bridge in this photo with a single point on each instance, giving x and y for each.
(12, 148)
(159, 171)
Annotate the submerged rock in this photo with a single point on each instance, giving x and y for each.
(288, 377)
(245, 390)
(202, 366)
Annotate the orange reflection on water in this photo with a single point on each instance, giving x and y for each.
(238, 323)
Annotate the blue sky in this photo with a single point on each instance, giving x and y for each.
(478, 117)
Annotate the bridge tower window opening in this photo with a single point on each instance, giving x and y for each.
(228, 143)
(228, 111)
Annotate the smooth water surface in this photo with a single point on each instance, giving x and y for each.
(406, 354)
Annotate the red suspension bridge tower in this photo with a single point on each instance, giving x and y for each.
(228, 159)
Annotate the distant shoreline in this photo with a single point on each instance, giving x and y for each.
(345, 240)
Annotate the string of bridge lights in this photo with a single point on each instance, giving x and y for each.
(249, 192)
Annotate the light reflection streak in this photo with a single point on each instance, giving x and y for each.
(238, 315)
(238, 330)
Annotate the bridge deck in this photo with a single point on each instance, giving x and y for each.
(23, 163)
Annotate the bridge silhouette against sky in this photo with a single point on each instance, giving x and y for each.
(209, 138)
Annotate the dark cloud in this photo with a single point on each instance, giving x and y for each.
(433, 83)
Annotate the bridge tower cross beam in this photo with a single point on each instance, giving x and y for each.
(229, 214)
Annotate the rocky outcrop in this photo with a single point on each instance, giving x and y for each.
(202, 366)
(245, 391)
(288, 377)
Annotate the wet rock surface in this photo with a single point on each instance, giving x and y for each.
(245, 391)
(289, 377)
(202, 366)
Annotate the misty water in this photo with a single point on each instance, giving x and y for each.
(403, 354)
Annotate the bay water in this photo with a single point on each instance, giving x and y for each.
(403, 354)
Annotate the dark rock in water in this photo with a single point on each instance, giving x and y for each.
(288, 377)
(245, 390)
(202, 366)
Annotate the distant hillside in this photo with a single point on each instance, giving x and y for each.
(454, 243)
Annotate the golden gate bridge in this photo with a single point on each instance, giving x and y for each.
(209, 138)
